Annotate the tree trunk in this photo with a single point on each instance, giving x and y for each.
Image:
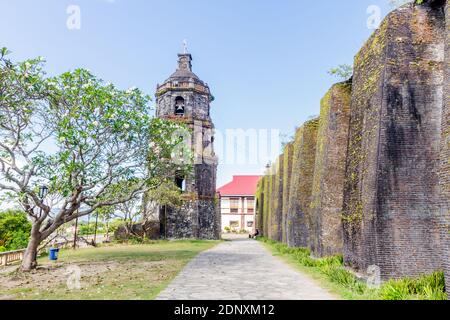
(29, 261)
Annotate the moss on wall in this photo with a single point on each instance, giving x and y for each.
(298, 215)
(276, 199)
(329, 174)
(444, 171)
(384, 130)
(287, 175)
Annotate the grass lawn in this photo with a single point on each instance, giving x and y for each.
(124, 272)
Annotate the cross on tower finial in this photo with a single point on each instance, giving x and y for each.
(185, 46)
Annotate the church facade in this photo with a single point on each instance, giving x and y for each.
(183, 97)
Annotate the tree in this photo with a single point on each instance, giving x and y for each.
(80, 137)
(343, 72)
(140, 211)
(14, 230)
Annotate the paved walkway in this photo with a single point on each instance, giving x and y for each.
(241, 269)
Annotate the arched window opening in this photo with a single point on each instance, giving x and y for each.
(179, 106)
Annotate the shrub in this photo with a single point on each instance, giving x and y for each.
(395, 290)
(428, 287)
(14, 230)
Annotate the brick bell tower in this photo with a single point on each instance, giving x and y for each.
(184, 97)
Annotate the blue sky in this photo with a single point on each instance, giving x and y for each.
(265, 61)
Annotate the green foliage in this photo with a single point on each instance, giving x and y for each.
(343, 72)
(428, 287)
(167, 194)
(85, 229)
(14, 230)
(115, 224)
(107, 149)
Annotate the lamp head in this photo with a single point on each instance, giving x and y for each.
(43, 191)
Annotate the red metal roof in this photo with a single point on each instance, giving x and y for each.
(240, 186)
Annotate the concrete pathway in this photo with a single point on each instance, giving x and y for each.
(241, 269)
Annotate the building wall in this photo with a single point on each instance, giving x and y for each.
(445, 156)
(287, 174)
(395, 208)
(392, 193)
(245, 213)
(259, 218)
(277, 200)
(329, 173)
(298, 215)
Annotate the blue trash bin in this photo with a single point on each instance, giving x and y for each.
(53, 254)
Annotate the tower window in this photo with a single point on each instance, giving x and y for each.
(180, 181)
(179, 106)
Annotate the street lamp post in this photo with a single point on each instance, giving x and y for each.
(75, 233)
(43, 191)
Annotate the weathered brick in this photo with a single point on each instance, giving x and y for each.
(391, 200)
(267, 197)
(287, 174)
(445, 156)
(260, 206)
(329, 174)
(298, 215)
(277, 200)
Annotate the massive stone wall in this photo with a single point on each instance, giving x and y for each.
(392, 195)
(266, 204)
(260, 206)
(277, 200)
(329, 174)
(303, 160)
(391, 206)
(287, 174)
(445, 155)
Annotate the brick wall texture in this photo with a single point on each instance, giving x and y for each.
(391, 193)
(445, 155)
(287, 174)
(303, 160)
(329, 173)
(370, 179)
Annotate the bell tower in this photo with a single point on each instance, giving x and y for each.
(184, 97)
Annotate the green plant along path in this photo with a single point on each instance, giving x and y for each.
(332, 274)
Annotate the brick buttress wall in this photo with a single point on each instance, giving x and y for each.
(391, 200)
(287, 173)
(277, 199)
(268, 203)
(260, 206)
(298, 218)
(445, 156)
(327, 193)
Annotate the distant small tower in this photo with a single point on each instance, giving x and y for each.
(185, 97)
